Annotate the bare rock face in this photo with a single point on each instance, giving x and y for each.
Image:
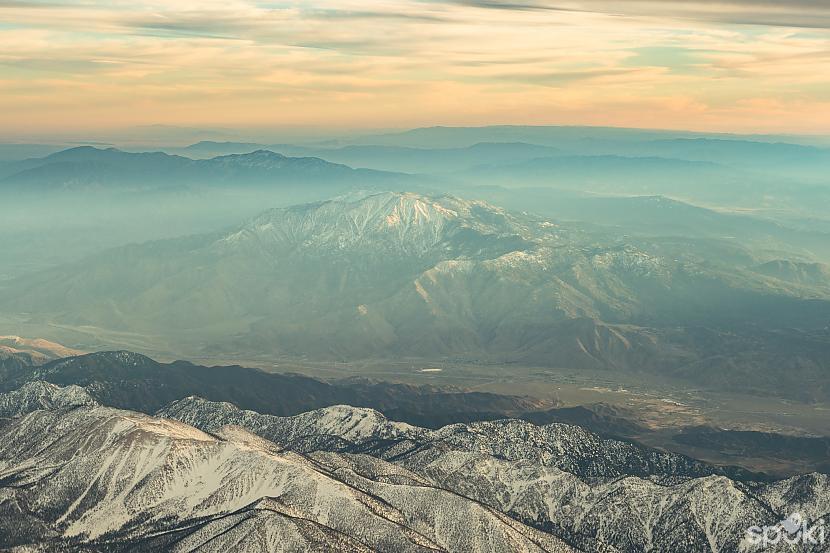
(39, 349)
(17, 353)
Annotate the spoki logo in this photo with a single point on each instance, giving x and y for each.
(793, 530)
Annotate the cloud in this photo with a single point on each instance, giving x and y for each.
(565, 78)
(513, 6)
(792, 13)
(410, 62)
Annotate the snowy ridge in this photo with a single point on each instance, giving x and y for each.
(42, 395)
(593, 492)
(564, 446)
(348, 479)
(352, 424)
(395, 222)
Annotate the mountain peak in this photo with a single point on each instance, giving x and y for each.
(392, 222)
(83, 153)
(105, 359)
(353, 424)
(268, 160)
(408, 208)
(38, 394)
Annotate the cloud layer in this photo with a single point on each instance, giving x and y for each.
(749, 65)
(792, 13)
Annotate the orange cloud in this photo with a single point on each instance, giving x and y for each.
(396, 63)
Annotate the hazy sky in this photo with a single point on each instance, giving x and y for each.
(739, 65)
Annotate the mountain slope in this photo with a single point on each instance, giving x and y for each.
(558, 477)
(37, 347)
(17, 352)
(563, 446)
(407, 275)
(660, 216)
(112, 479)
(37, 395)
(348, 479)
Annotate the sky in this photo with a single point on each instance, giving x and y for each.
(706, 65)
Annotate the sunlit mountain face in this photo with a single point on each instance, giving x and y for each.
(462, 276)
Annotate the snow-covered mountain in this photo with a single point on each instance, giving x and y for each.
(389, 224)
(36, 395)
(208, 477)
(564, 446)
(557, 477)
(109, 480)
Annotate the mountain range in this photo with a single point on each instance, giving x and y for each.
(100, 479)
(206, 476)
(415, 276)
(738, 172)
(131, 381)
(466, 339)
(392, 158)
(91, 169)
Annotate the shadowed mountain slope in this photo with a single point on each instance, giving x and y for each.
(132, 381)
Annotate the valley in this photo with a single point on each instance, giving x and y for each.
(663, 408)
(653, 413)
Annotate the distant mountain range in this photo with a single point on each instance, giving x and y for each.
(785, 156)
(392, 158)
(206, 476)
(87, 168)
(550, 135)
(651, 154)
(771, 177)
